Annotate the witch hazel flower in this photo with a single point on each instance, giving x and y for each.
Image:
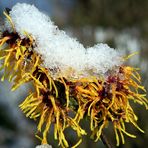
(67, 78)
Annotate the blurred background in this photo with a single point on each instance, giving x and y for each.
(122, 24)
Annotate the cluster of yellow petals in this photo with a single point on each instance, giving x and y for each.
(102, 100)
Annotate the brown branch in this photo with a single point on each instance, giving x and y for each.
(105, 141)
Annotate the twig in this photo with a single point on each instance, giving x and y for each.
(105, 141)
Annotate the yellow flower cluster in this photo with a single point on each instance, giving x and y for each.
(102, 100)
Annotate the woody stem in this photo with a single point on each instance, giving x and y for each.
(105, 141)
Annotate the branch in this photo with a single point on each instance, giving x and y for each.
(105, 141)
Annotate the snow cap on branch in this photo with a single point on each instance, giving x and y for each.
(60, 52)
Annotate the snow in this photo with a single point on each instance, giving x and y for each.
(102, 58)
(44, 146)
(61, 54)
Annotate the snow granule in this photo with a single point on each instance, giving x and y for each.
(44, 146)
(60, 52)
